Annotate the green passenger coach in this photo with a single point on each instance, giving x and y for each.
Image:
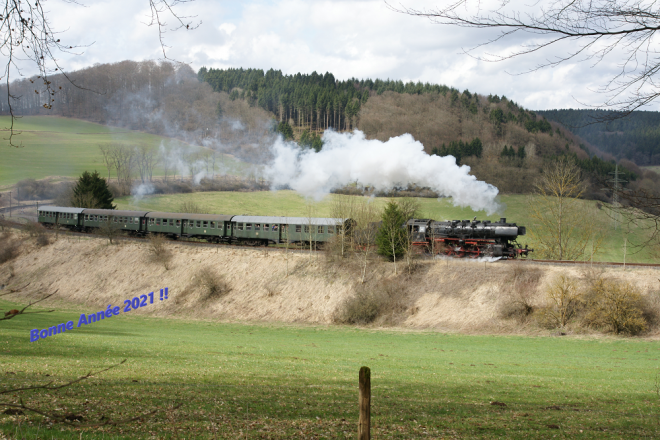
(69, 218)
(212, 227)
(266, 229)
(132, 221)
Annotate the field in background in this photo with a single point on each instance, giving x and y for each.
(64, 147)
(279, 381)
(290, 203)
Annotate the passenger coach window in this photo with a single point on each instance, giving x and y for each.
(248, 226)
(240, 226)
(198, 223)
(320, 230)
(275, 227)
(205, 224)
(157, 222)
(266, 226)
(331, 229)
(306, 228)
(257, 226)
(298, 228)
(212, 225)
(171, 222)
(178, 223)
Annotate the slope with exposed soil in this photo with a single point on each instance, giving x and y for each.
(455, 295)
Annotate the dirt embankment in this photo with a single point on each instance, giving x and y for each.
(267, 285)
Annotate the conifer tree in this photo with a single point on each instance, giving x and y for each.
(92, 191)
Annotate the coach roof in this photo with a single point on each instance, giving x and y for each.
(187, 216)
(115, 212)
(288, 220)
(61, 209)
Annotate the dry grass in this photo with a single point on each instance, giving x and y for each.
(520, 291)
(387, 301)
(159, 252)
(453, 295)
(213, 284)
(9, 247)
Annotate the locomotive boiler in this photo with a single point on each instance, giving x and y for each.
(468, 238)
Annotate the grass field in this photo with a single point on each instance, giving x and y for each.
(278, 382)
(55, 146)
(655, 169)
(289, 203)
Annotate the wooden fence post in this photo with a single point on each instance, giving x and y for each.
(364, 422)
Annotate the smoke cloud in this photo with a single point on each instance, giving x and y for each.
(141, 190)
(350, 157)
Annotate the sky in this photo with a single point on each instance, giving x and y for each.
(361, 39)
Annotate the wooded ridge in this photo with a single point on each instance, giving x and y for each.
(240, 111)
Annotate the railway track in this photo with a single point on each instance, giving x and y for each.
(595, 263)
(17, 207)
(297, 249)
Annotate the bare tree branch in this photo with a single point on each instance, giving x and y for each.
(64, 385)
(28, 38)
(595, 29)
(13, 313)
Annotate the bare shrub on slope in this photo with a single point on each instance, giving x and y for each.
(521, 284)
(158, 251)
(9, 247)
(213, 284)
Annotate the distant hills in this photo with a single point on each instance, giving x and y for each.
(635, 137)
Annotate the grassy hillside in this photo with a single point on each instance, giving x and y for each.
(289, 203)
(56, 146)
(282, 382)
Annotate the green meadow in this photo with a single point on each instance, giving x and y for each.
(290, 203)
(287, 381)
(62, 147)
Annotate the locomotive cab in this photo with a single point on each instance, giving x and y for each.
(418, 229)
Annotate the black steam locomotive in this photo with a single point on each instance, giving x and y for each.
(465, 238)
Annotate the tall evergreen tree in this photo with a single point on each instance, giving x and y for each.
(391, 236)
(92, 191)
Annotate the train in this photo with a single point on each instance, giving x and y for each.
(457, 238)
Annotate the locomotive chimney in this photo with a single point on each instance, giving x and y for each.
(503, 220)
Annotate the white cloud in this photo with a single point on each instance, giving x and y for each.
(363, 39)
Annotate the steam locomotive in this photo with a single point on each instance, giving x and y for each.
(465, 238)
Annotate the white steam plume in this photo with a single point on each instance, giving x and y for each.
(347, 157)
(141, 190)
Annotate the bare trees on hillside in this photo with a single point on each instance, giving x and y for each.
(124, 160)
(355, 238)
(26, 35)
(562, 228)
